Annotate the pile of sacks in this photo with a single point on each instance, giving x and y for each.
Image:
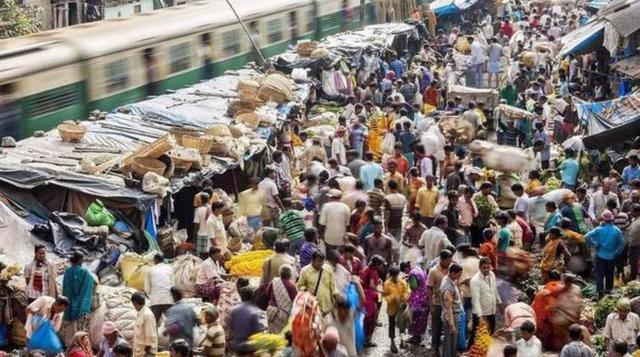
(115, 306)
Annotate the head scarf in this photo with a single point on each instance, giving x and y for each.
(76, 344)
(417, 299)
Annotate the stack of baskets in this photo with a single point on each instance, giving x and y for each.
(201, 143)
(247, 87)
(219, 146)
(184, 158)
(250, 120)
(218, 130)
(72, 132)
(461, 130)
(141, 165)
(180, 132)
(514, 112)
(276, 87)
(305, 49)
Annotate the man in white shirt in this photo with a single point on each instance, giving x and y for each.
(484, 297)
(334, 220)
(521, 206)
(622, 325)
(599, 199)
(434, 239)
(145, 331)
(158, 285)
(529, 345)
(273, 205)
(477, 62)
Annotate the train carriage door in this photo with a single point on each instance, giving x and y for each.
(151, 71)
(10, 112)
(205, 54)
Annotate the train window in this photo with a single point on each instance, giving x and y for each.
(274, 30)
(179, 57)
(231, 42)
(311, 21)
(53, 100)
(116, 75)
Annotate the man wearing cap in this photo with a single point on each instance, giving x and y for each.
(334, 220)
(608, 243)
(622, 325)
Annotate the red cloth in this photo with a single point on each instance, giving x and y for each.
(507, 29)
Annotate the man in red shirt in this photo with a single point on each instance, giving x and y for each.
(506, 28)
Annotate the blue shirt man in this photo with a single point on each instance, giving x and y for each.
(632, 171)
(569, 169)
(369, 172)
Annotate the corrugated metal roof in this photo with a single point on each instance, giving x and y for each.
(626, 20)
(629, 66)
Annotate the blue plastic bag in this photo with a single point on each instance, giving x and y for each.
(359, 330)
(462, 331)
(44, 337)
(352, 296)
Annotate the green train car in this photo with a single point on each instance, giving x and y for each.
(64, 74)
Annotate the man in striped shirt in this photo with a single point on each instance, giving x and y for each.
(214, 343)
(291, 223)
(376, 196)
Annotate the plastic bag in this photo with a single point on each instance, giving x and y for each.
(44, 337)
(98, 215)
(462, 331)
(359, 330)
(134, 270)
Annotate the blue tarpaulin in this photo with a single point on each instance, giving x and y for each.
(582, 39)
(442, 8)
(597, 4)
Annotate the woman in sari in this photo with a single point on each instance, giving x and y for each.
(554, 254)
(557, 306)
(377, 128)
(370, 278)
(281, 291)
(80, 346)
(417, 303)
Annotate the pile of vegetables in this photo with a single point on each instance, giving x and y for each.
(603, 308)
(248, 264)
(486, 211)
(268, 343)
(483, 340)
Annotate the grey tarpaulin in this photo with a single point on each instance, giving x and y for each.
(30, 178)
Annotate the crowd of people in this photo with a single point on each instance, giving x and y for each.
(373, 212)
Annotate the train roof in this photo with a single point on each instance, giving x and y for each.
(96, 39)
(21, 56)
